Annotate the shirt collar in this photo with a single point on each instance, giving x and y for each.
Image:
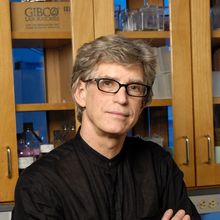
(96, 157)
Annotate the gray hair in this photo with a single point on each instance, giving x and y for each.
(113, 49)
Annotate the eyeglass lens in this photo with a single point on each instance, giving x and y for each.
(113, 86)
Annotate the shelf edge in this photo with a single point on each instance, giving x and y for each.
(44, 107)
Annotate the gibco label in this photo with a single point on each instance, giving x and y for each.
(40, 16)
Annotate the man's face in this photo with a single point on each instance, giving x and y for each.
(111, 113)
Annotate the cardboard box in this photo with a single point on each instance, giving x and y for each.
(40, 16)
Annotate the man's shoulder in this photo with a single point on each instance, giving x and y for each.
(141, 144)
(60, 153)
(53, 162)
(146, 149)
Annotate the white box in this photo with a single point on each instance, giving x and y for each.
(40, 16)
(162, 86)
(216, 83)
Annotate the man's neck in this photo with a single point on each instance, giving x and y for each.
(106, 144)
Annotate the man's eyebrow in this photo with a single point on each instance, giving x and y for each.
(115, 78)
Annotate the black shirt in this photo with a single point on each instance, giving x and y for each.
(74, 182)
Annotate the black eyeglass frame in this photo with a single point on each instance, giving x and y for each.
(97, 80)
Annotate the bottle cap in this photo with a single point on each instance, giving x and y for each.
(20, 136)
(28, 125)
(46, 148)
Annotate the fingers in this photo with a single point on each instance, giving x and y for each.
(186, 217)
(167, 215)
(180, 215)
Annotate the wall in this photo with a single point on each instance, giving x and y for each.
(5, 215)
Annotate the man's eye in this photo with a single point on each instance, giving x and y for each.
(108, 83)
(135, 87)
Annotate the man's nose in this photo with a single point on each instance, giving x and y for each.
(121, 96)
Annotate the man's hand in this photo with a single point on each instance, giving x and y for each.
(180, 215)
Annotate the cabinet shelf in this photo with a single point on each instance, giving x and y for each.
(44, 107)
(168, 102)
(215, 38)
(56, 39)
(216, 34)
(41, 35)
(145, 34)
(41, 39)
(71, 106)
(155, 38)
(216, 100)
(160, 102)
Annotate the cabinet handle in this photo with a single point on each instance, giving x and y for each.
(187, 150)
(9, 162)
(209, 148)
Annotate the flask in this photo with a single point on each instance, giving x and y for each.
(25, 154)
(32, 139)
(148, 17)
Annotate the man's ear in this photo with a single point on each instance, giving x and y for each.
(79, 95)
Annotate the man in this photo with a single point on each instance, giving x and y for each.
(102, 174)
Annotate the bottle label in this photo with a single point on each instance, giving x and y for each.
(46, 148)
(24, 162)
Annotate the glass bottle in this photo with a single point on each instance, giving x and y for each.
(25, 153)
(148, 17)
(32, 139)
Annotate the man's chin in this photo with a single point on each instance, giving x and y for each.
(116, 133)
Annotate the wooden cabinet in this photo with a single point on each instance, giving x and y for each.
(58, 105)
(182, 86)
(60, 48)
(207, 171)
(8, 152)
(192, 101)
(192, 92)
(182, 94)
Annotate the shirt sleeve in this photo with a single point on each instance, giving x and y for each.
(35, 200)
(174, 192)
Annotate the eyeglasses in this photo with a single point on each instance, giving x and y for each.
(113, 86)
